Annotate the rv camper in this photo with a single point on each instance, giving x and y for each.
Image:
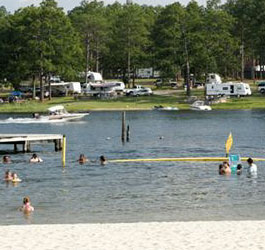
(228, 89)
(214, 86)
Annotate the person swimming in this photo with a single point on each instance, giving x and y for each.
(8, 176)
(82, 159)
(27, 208)
(102, 160)
(35, 159)
(252, 168)
(221, 169)
(6, 159)
(15, 178)
(227, 169)
(239, 169)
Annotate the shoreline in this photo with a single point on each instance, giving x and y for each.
(130, 109)
(125, 236)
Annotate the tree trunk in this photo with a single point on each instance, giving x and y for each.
(97, 59)
(242, 62)
(41, 88)
(87, 58)
(34, 87)
(50, 87)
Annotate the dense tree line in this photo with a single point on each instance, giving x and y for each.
(37, 42)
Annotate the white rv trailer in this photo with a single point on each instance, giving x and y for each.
(214, 86)
(228, 89)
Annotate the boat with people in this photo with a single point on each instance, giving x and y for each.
(200, 105)
(56, 114)
(59, 112)
(160, 107)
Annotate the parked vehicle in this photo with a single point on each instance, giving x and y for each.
(261, 87)
(215, 86)
(145, 91)
(74, 87)
(138, 90)
(228, 89)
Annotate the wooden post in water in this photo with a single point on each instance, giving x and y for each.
(128, 134)
(63, 150)
(15, 147)
(123, 127)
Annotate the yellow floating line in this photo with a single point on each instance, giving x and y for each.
(191, 159)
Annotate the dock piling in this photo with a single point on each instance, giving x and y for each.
(123, 127)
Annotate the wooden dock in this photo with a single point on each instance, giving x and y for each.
(26, 140)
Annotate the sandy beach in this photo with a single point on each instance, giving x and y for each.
(123, 236)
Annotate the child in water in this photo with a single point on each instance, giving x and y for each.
(102, 160)
(26, 208)
(6, 159)
(82, 159)
(227, 168)
(15, 178)
(35, 159)
(221, 169)
(239, 169)
(8, 176)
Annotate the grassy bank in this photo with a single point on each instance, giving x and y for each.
(174, 99)
(131, 103)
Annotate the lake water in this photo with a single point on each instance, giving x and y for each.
(133, 192)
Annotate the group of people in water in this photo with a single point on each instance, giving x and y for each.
(225, 169)
(83, 159)
(13, 177)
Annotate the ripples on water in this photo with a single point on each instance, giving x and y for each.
(130, 192)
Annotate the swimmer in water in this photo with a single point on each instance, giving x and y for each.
(26, 208)
(8, 176)
(35, 159)
(227, 168)
(252, 168)
(6, 159)
(239, 169)
(82, 159)
(102, 160)
(221, 169)
(15, 178)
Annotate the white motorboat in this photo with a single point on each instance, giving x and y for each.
(160, 107)
(59, 112)
(200, 105)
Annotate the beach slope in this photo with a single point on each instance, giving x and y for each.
(123, 236)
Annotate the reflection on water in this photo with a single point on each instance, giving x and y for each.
(129, 192)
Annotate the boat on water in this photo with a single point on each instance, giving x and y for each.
(56, 114)
(200, 105)
(160, 107)
(59, 112)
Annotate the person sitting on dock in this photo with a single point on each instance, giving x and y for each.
(82, 159)
(252, 168)
(102, 160)
(6, 159)
(26, 208)
(8, 176)
(15, 178)
(35, 159)
(227, 168)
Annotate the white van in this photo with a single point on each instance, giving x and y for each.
(74, 87)
(228, 89)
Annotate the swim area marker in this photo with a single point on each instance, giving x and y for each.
(183, 159)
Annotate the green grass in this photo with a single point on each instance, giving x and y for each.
(145, 102)
(133, 103)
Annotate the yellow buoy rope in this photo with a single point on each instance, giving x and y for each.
(188, 159)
